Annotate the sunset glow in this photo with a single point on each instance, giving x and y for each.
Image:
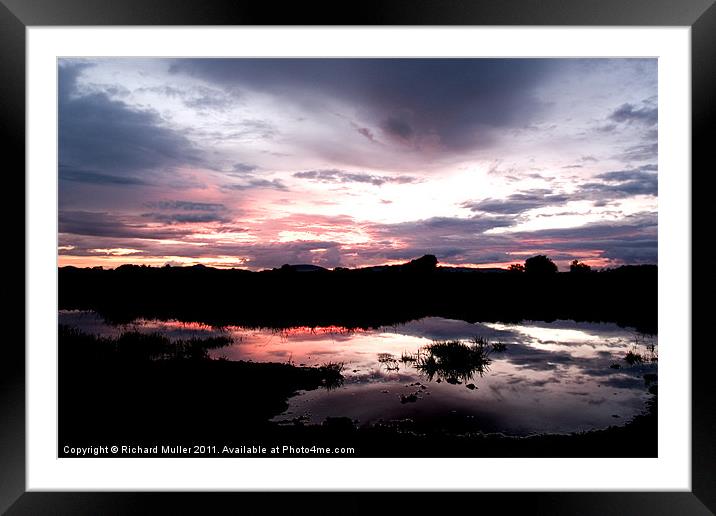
(254, 163)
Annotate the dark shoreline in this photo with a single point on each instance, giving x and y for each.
(362, 298)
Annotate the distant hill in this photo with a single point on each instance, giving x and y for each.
(426, 263)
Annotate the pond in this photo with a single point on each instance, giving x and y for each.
(515, 379)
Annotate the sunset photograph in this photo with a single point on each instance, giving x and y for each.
(357, 257)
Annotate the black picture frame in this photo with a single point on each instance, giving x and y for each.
(17, 15)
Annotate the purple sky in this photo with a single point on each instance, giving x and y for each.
(254, 163)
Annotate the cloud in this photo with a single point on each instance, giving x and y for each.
(518, 203)
(243, 167)
(398, 127)
(622, 183)
(174, 218)
(209, 99)
(200, 98)
(273, 184)
(100, 136)
(352, 122)
(275, 255)
(452, 240)
(187, 206)
(607, 128)
(341, 176)
(630, 114)
(631, 240)
(458, 241)
(455, 102)
(364, 131)
(174, 212)
(636, 174)
(103, 224)
(98, 178)
(641, 152)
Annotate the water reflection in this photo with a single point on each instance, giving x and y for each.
(515, 379)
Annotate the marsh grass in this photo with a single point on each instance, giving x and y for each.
(499, 347)
(409, 358)
(332, 375)
(633, 358)
(388, 361)
(454, 361)
(642, 351)
(136, 346)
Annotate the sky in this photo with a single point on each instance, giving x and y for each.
(254, 163)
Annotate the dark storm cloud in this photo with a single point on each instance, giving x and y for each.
(629, 113)
(447, 226)
(341, 176)
(518, 203)
(100, 136)
(397, 127)
(458, 101)
(92, 177)
(102, 224)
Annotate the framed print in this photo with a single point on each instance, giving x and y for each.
(434, 248)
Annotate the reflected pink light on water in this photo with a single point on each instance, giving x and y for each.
(551, 377)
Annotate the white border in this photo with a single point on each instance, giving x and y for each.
(670, 471)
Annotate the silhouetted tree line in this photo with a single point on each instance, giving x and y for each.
(541, 264)
(368, 297)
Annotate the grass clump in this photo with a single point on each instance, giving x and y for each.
(499, 347)
(408, 358)
(454, 361)
(332, 376)
(388, 361)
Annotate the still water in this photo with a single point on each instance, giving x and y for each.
(518, 379)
